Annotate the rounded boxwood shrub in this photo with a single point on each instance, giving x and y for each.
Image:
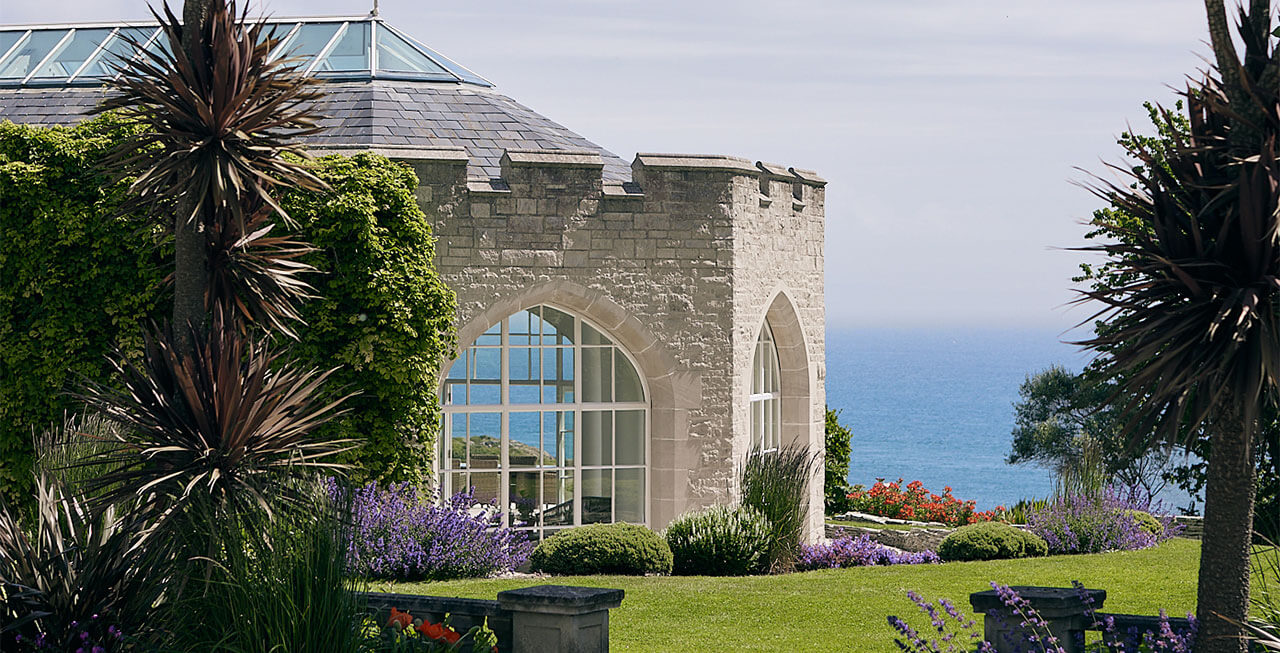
(991, 541)
(1146, 521)
(621, 548)
(720, 541)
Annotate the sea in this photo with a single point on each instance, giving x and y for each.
(937, 405)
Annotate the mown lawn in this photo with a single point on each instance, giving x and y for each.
(845, 610)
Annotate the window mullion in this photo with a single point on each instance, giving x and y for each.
(504, 423)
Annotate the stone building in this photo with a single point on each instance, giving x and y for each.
(628, 332)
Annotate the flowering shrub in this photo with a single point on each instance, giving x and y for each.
(402, 534)
(859, 552)
(958, 632)
(404, 634)
(915, 502)
(90, 638)
(1116, 520)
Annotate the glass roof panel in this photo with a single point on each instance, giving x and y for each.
(309, 40)
(395, 55)
(7, 39)
(73, 53)
(118, 49)
(450, 65)
(29, 55)
(350, 53)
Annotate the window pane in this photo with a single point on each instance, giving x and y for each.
(395, 55)
(592, 337)
(597, 374)
(455, 383)
(524, 327)
(306, 43)
(597, 437)
(557, 327)
(456, 441)
(118, 50)
(454, 483)
(557, 438)
(491, 336)
(486, 487)
(484, 432)
(597, 496)
(28, 55)
(526, 501)
(73, 53)
(629, 428)
(557, 497)
(7, 39)
(524, 440)
(627, 387)
(350, 53)
(557, 375)
(525, 374)
(486, 376)
(629, 493)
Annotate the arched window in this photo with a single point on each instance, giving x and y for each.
(545, 415)
(766, 394)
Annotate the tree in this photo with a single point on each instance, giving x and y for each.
(835, 462)
(1191, 331)
(1061, 414)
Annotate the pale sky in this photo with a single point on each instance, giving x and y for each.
(948, 130)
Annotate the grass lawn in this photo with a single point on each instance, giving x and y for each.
(845, 609)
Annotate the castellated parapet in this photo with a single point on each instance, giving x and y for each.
(681, 266)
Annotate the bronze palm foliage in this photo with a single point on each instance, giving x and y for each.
(1192, 330)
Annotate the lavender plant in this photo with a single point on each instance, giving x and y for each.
(857, 552)
(1110, 521)
(951, 631)
(403, 534)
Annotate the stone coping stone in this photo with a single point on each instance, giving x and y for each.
(561, 598)
(1143, 622)
(452, 154)
(877, 519)
(717, 162)
(561, 158)
(1048, 601)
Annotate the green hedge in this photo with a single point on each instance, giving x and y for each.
(77, 280)
(991, 541)
(619, 549)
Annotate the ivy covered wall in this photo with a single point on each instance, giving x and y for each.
(77, 279)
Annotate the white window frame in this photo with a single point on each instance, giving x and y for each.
(443, 459)
(765, 401)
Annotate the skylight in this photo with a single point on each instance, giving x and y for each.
(329, 48)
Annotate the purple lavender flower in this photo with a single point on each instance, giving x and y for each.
(400, 533)
(1084, 524)
(857, 552)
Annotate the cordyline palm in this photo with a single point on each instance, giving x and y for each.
(1193, 333)
(221, 428)
(218, 115)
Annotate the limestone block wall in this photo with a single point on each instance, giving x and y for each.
(656, 262)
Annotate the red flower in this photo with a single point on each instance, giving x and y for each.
(400, 620)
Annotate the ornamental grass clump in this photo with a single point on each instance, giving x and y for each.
(777, 484)
(1113, 521)
(401, 533)
(857, 552)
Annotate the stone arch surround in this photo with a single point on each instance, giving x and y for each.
(673, 392)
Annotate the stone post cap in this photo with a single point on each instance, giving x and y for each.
(1048, 601)
(560, 599)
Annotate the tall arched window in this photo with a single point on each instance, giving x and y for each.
(545, 415)
(766, 394)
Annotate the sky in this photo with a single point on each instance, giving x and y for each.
(951, 133)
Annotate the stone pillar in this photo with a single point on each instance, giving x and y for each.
(1060, 607)
(560, 618)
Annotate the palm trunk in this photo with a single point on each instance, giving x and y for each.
(190, 252)
(1223, 592)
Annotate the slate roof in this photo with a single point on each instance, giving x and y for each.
(376, 113)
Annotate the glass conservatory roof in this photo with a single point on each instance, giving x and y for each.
(333, 48)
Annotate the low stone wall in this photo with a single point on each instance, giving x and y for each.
(1194, 526)
(914, 540)
(528, 620)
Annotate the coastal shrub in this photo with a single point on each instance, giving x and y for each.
(1031, 632)
(1021, 511)
(990, 541)
(720, 541)
(1111, 521)
(835, 463)
(401, 533)
(619, 548)
(857, 552)
(777, 484)
(917, 503)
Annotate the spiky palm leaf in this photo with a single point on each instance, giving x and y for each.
(256, 276)
(216, 126)
(224, 427)
(77, 566)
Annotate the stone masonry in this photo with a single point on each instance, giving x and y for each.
(681, 266)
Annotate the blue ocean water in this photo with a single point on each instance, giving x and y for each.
(937, 405)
